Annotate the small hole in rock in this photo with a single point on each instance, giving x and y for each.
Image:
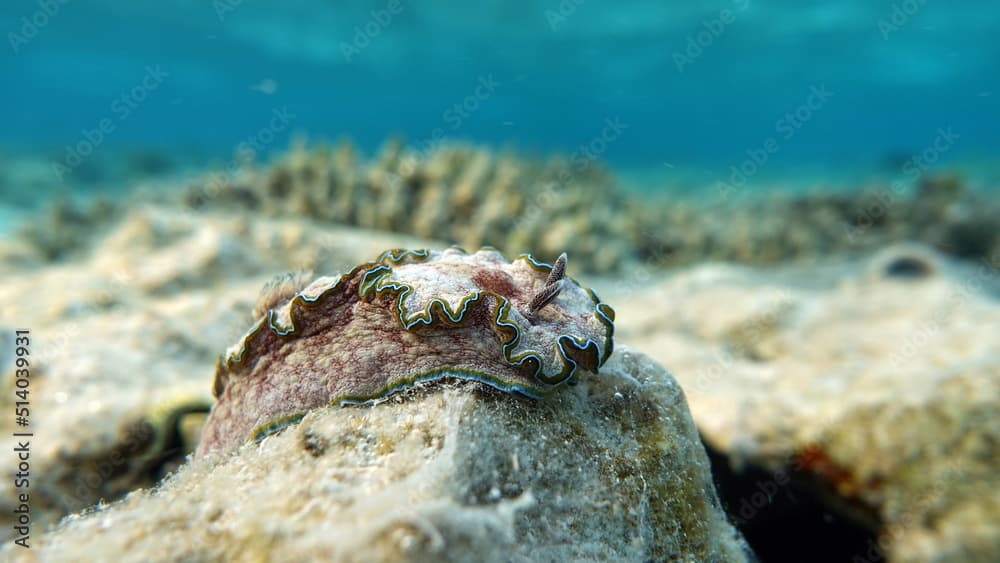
(909, 267)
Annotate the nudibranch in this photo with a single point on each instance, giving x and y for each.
(409, 317)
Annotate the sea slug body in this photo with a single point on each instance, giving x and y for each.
(409, 317)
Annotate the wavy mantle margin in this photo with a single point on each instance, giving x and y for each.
(573, 350)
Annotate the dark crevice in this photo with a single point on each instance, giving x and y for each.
(785, 516)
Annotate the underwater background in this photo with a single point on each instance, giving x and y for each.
(793, 206)
(848, 90)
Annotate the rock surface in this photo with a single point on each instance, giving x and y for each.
(611, 469)
(878, 382)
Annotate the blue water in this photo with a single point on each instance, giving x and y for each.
(689, 86)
